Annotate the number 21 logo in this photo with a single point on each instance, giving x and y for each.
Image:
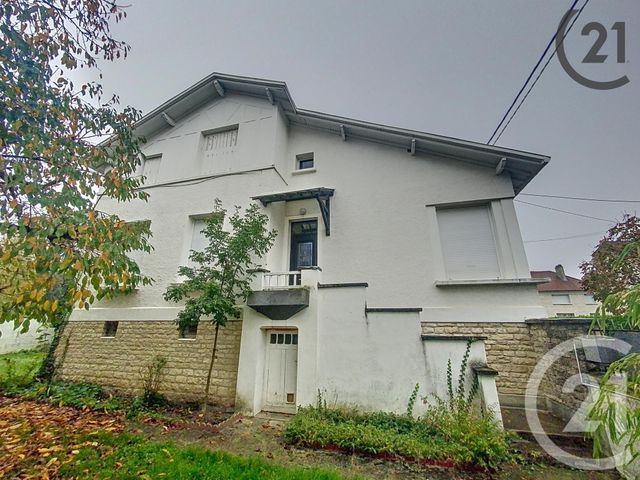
(593, 55)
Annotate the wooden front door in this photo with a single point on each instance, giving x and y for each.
(281, 371)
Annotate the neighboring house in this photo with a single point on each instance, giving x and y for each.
(562, 295)
(395, 248)
(12, 340)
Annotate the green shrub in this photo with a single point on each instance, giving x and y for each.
(18, 369)
(79, 395)
(441, 435)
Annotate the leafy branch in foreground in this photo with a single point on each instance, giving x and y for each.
(57, 249)
(220, 276)
(616, 409)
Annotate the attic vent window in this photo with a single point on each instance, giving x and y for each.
(110, 329)
(304, 161)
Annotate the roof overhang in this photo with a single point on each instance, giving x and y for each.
(519, 165)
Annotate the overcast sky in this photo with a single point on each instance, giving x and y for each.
(446, 67)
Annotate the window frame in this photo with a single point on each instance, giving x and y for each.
(305, 157)
(186, 334)
(106, 328)
(558, 295)
(488, 207)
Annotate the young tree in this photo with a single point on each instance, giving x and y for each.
(618, 412)
(57, 249)
(600, 275)
(220, 277)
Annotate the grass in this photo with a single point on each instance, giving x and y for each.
(128, 456)
(18, 369)
(442, 437)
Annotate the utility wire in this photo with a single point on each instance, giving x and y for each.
(540, 74)
(565, 211)
(593, 234)
(584, 199)
(546, 50)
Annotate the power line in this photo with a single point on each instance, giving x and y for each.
(528, 78)
(593, 234)
(584, 199)
(541, 72)
(565, 211)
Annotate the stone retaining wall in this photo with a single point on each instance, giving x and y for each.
(119, 362)
(514, 349)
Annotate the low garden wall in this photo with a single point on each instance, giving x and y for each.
(514, 349)
(85, 355)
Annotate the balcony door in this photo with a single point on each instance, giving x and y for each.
(304, 244)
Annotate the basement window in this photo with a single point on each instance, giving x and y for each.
(110, 329)
(304, 161)
(189, 332)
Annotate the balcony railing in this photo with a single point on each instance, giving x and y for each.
(277, 280)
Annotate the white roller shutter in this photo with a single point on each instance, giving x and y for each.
(198, 240)
(468, 243)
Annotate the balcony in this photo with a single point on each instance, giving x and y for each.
(280, 295)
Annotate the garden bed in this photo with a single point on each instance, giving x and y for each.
(443, 437)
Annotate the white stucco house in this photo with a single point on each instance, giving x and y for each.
(563, 295)
(383, 232)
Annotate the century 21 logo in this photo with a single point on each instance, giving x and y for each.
(593, 55)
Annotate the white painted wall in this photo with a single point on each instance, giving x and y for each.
(12, 340)
(383, 232)
(579, 304)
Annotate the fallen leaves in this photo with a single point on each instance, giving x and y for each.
(36, 439)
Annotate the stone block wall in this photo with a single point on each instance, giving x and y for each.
(514, 349)
(119, 362)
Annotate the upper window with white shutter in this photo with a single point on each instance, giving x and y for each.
(150, 168)
(198, 240)
(468, 243)
(218, 147)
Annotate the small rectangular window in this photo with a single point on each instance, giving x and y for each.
(189, 332)
(304, 161)
(589, 300)
(272, 339)
(560, 299)
(110, 329)
(294, 340)
(281, 338)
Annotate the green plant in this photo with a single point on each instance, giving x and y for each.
(604, 274)
(58, 250)
(616, 410)
(412, 400)
(459, 399)
(152, 376)
(221, 274)
(464, 438)
(17, 370)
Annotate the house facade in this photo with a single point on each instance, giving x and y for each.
(12, 340)
(562, 295)
(395, 250)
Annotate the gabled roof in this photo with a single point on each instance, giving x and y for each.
(556, 284)
(521, 166)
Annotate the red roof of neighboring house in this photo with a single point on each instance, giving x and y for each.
(569, 284)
